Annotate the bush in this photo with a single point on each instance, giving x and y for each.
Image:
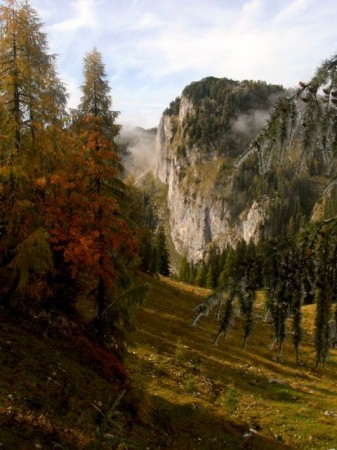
(230, 400)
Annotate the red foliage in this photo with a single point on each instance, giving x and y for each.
(85, 223)
(103, 360)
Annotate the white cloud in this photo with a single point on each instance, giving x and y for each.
(85, 17)
(149, 21)
(292, 10)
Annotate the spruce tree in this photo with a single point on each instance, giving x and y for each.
(227, 318)
(248, 300)
(210, 277)
(316, 124)
(200, 277)
(162, 252)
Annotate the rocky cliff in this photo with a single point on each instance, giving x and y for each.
(198, 137)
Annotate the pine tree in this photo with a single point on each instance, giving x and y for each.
(326, 249)
(227, 318)
(225, 275)
(210, 278)
(200, 278)
(316, 125)
(247, 300)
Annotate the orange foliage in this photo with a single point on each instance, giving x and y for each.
(84, 223)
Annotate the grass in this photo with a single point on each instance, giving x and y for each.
(229, 400)
(48, 395)
(223, 391)
(186, 392)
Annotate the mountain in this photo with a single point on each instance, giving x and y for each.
(198, 139)
(188, 170)
(210, 201)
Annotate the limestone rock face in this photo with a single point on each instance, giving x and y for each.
(252, 218)
(200, 211)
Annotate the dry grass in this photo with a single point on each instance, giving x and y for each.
(206, 395)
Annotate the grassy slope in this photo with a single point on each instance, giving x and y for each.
(194, 385)
(181, 386)
(48, 389)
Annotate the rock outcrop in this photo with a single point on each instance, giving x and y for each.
(198, 170)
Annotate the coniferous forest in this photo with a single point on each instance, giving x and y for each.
(87, 271)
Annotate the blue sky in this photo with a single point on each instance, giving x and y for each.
(153, 48)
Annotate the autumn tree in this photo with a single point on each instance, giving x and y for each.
(32, 109)
(31, 89)
(90, 229)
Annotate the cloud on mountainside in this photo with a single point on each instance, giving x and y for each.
(250, 124)
(142, 155)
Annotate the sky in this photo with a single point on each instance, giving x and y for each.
(152, 49)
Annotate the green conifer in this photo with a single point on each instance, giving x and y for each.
(162, 252)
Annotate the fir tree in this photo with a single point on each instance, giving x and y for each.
(163, 253)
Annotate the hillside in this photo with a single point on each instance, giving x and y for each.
(212, 397)
(186, 393)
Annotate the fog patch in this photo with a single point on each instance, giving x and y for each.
(249, 124)
(139, 150)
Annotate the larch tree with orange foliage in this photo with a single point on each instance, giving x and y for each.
(32, 110)
(89, 228)
(65, 233)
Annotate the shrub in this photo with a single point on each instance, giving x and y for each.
(230, 400)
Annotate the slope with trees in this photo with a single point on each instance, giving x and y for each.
(299, 266)
(67, 232)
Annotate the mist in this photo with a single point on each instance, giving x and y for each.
(250, 124)
(140, 154)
